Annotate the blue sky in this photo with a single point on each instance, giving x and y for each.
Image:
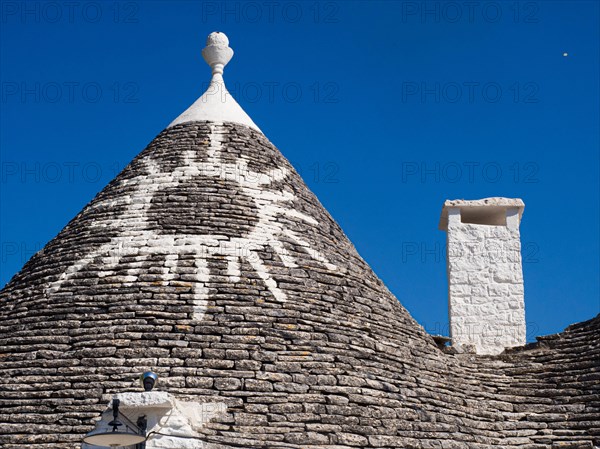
(385, 108)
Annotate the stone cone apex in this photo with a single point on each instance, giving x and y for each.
(216, 104)
(209, 262)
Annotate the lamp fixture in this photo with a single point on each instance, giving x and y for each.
(148, 380)
(128, 436)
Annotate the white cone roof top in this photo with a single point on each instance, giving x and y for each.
(216, 104)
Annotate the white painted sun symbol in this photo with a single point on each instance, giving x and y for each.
(142, 241)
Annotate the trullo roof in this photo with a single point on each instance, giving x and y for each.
(209, 261)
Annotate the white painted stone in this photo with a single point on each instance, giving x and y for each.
(271, 205)
(513, 217)
(216, 104)
(172, 423)
(153, 399)
(490, 211)
(485, 276)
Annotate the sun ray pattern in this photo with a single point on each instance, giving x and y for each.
(147, 242)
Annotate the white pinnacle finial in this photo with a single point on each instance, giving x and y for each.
(217, 52)
(216, 104)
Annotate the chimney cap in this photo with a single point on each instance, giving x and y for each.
(489, 211)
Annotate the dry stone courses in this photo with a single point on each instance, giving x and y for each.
(208, 261)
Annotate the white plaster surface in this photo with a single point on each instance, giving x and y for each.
(216, 104)
(490, 211)
(485, 277)
(172, 423)
(154, 399)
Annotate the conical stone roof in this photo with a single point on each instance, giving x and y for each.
(209, 261)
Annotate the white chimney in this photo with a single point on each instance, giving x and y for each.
(485, 276)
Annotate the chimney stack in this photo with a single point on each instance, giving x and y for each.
(485, 275)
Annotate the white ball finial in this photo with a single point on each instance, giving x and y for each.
(217, 52)
(217, 38)
(216, 104)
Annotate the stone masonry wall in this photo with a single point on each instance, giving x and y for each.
(486, 294)
(292, 334)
